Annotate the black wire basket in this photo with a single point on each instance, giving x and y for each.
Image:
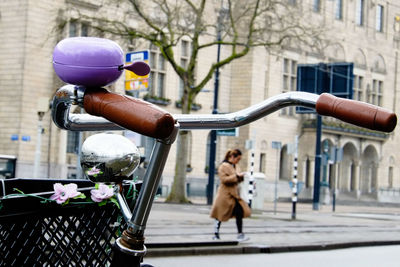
(34, 232)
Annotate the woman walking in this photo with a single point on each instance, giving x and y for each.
(228, 203)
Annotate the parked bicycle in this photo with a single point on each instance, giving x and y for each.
(87, 64)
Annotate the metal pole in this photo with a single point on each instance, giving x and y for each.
(325, 169)
(336, 177)
(317, 169)
(211, 169)
(294, 181)
(276, 180)
(36, 164)
(276, 145)
(213, 134)
(251, 179)
(78, 155)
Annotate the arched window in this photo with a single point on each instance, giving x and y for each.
(285, 164)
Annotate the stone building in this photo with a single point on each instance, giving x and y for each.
(364, 32)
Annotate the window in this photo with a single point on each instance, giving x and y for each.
(360, 13)
(358, 88)
(77, 28)
(339, 9)
(289, 78)
(72, 142)
(376, 93)
(158, 72)
(185, 48)
(285, 165)
(379, 18)
(84, 29)
(317, 6)
(184, 61)
(292, 2)
(390, 177)
(262, 163)
(73, 29)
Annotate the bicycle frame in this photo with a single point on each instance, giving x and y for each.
(132, 241)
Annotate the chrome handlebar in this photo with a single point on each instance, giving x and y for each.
(71, 95)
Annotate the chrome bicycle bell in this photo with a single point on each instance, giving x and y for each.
(109, 158)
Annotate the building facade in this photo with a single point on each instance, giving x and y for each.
(364, 32)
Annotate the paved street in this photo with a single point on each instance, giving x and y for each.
(387, 256)
(178, 229)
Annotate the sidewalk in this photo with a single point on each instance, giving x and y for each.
(177, 229)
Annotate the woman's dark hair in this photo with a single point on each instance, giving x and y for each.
(232, 152)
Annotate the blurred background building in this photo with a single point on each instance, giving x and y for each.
(365, 32)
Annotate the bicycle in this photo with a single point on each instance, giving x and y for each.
(111, 111)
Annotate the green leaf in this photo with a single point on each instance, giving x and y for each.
(19, 191)
(104, 202)
(80, 196)
(113, 200)
(96, 186)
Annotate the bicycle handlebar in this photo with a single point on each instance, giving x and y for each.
(145, 118)
(357, 113)
(131, 113)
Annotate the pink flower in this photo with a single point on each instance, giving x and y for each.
(64, 192)
(94, 171)
(103, 192)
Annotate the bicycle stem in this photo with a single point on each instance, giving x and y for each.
(131, 241)
(151, 180)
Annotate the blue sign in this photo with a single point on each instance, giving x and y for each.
(14, 137)
(26, 138)
(334, 78)
(228, 132)
(341, 79)
(137, 56)
(132, 80)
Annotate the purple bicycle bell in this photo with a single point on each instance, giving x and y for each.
(92, 62)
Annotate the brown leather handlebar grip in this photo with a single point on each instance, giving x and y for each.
(131, 113)
(357, 113)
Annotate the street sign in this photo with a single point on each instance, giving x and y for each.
(276, 145)
(133, 81)
(26, 138)
(341, 79)
(228, 132)
(333, 78)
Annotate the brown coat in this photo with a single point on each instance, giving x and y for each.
(228, 191)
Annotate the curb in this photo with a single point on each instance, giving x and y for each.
(207, 248)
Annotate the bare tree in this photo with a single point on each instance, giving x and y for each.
(240, 25)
